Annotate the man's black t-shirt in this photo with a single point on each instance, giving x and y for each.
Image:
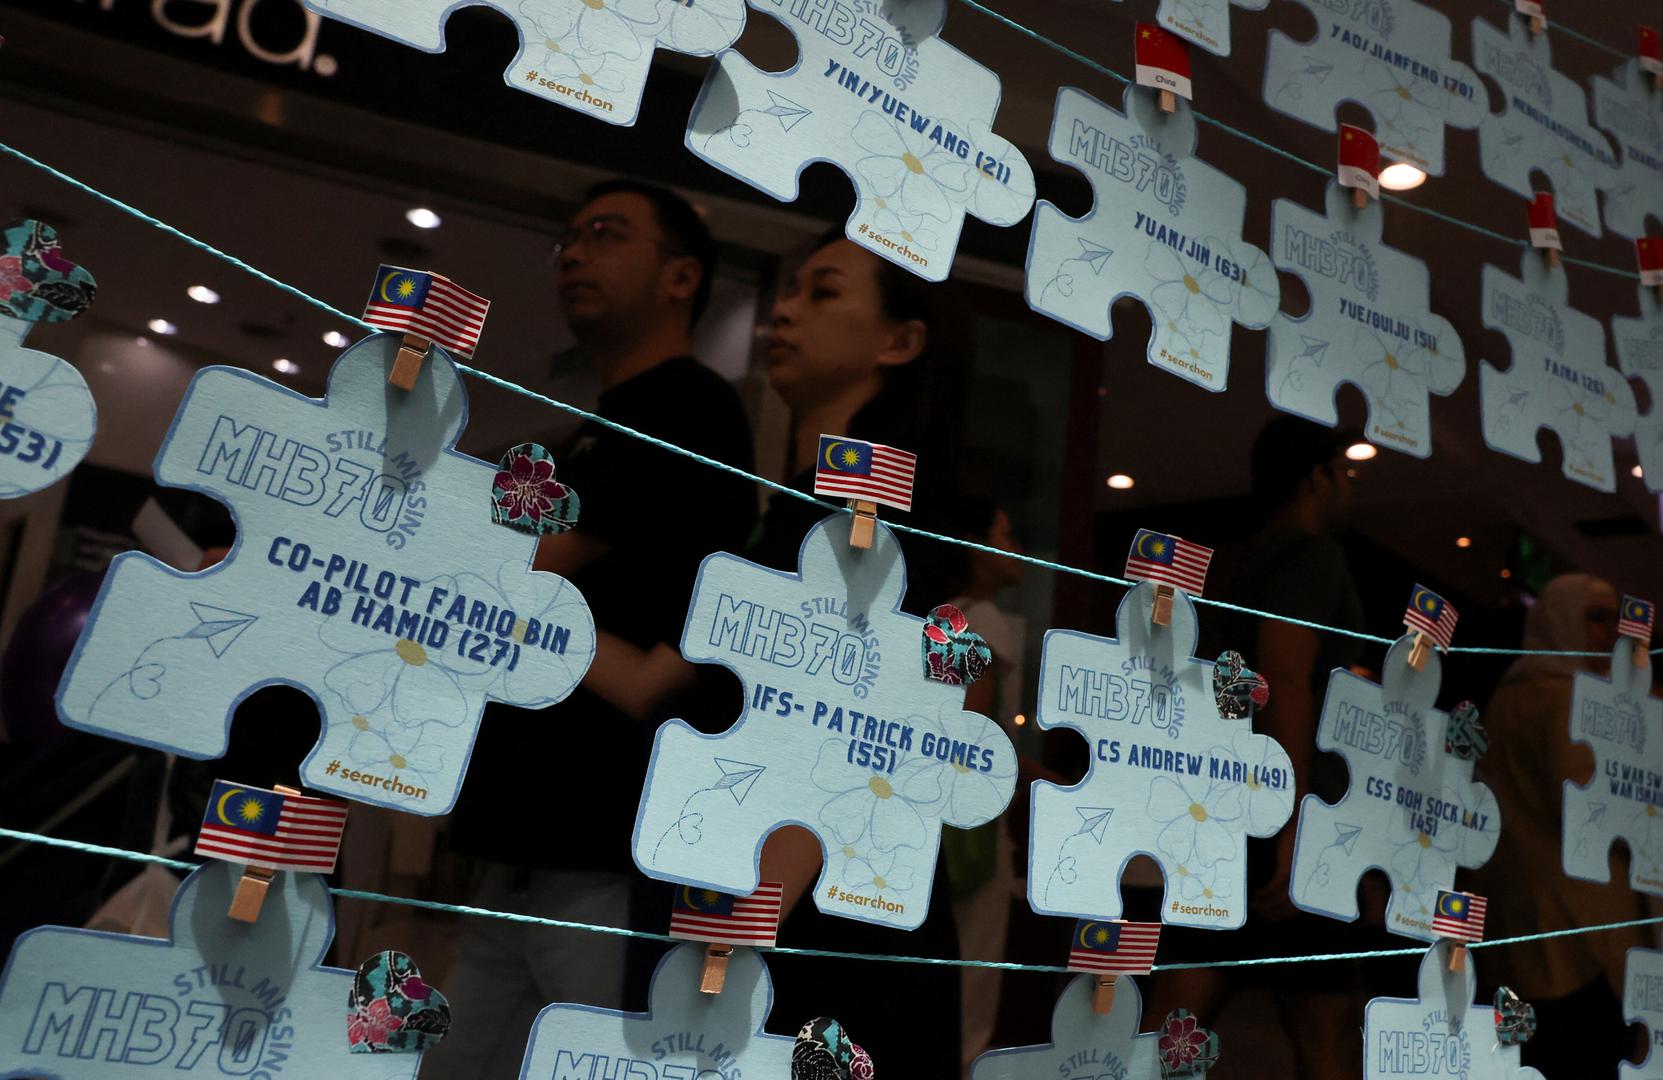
(558, 787)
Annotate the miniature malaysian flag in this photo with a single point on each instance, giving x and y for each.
(1459, 915)
(708, 915)
(1169, 560)
(427, 305)
(851, 469)
(257, 827)
(1634, 619)
(1432, 615)
(1114, 948)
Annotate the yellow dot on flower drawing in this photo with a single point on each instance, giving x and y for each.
(1191, 284)
(1253, 783)
(598, 5)
(960, 767)
(1578, 409)
(362, 723)
(398, 761)
(1391, 361)
(520, 627)
(881, 202)
(1424, 840)
(880, 787)
(586, 79)
(913, 165)
(1172, 326)
(1208, 893)
(1183, 871)
(906, 236)
(848, 852)
(880, 884)
(1198, 812)
(1403, 92)
(551, 45)
(1651, 811)
(411, 652)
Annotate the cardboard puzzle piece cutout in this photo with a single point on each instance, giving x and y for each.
(1643, 1004)
(1442, 1033)
(218, 998)
(1392, 59)
(47, 415)
(842, 734)
(875, 91)
(1544, 125)
(1083, 1043)
(1204, 22)
(367, 572)
(1639, 343)
(1169, 777)
(1412, 809)
(588, 55)
(1370, 324)
(1626, 105)
(1164, 227)
(684, 1035)
(1558, 378)
(1619, 719)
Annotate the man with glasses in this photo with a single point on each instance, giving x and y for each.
(550, 799)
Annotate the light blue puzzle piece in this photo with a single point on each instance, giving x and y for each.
(1170, 778)
(219, 998)
(367, 572)
(684, 1035)
(1441, 1035)
(1392, 57)
(1412, 810)
(588, 55)
(1204, 22)
(875, 91)
(1639, 345)
(1558, 378)
(1626, 106)
(1165, 227)
(1643, 1004)
(1370, 324)
(1083, 1044)
(843, 734)
(1544, 125)
(1622, 722)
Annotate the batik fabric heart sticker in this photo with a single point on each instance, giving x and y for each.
(391, 1010)
(525, 495)
(953, 653)
(824, 1052)
(1464, 735)
(1237, 689)
(37, 284)
(1515, 1018)
(860, 1066)
(1186, 1048)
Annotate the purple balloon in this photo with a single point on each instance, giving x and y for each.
(35, 659)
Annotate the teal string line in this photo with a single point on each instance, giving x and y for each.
(1289, 155)
(722, 466)
(833, 954)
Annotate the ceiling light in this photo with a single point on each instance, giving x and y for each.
(1506, 573)
(335, 339)
(1463, 541)
(1361, 451)
(285, 367)
(202, 294)
(1020, 720)
(423, 218)
(1637, 472)
(1400, 177)
(162, 327)
(1121, 482)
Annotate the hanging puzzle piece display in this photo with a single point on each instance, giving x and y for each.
(1089, 1045)
(684, 1035)
(588, 55)
(876, 92)
(842, 734)
(218, 998)
(1639, 343)
(1622, 722)
(1165, 227)
(1169, 777)
(47, 414)
(1393, 60)
(1626, 105)
(1543, 127)
(1205, 22)
(367, 572)
(1442, 1033)
(1412, 810)
(1643, 1004)
(1370, 324)
(1558, 378)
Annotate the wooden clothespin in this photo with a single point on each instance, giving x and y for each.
(1432, 618)
(1102, 946)
(1457, 957)
(865, 474)
(1161, 613)
(703, 914)
(1419, 651)
(428, 309)
(1170, 563)
(1102, 998)
(863, 524)
(408, 365)
(715, 968)
(250, 896)
(1538, 24)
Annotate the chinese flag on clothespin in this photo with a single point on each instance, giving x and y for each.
(1163, 62)
(1359, 164)
(1651, 55)
(1544, 226)
(1535, 11)
(1648, 250)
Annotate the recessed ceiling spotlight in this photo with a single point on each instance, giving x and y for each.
(1121, 482)
(423, 218)
(1400, 177)
(1463, 541)
(335, 339)
(1361, 451)
(202, 294)
(284, 366)
(162, 327)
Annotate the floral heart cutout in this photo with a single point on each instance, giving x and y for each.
(391, 1010)
(526, 497)
(1186, 1048)
(1464, 735)
(1515, 1018)
(824, 1051)
(37, 284)
(953, 653)
(1237, 689)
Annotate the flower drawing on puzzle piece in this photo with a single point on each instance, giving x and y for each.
(865, 806)
(1256, 294)
(1195, 810)
(877, 872)
(1202, 886)
(378, 744)
(699, 29)
(910, 170)
(1193, 305)
(1002, 190)
(1264, 808)
(1422, 863)
(958, 783)
(414, 683)
(1394, 377)
(543, 605)
(1409, 109)
(911, 230)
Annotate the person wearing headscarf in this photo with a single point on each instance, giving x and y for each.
(1575, 983)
